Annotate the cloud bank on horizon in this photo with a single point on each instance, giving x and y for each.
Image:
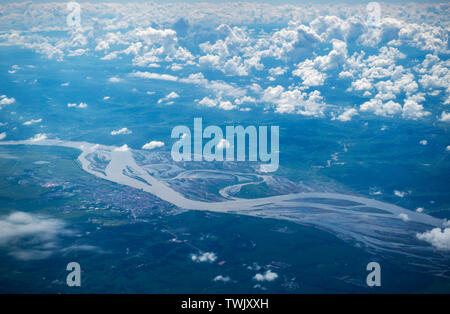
(285, 59)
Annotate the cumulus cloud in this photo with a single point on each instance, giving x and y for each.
(437, 237)
(233, 55)
(347, 115)
(207, 257)
(404, 217)
(81, 105)
(295, 101)
(154, 76)
(114, 79)
(278, 71)
(2, 136)
(400, 193)
(219, 88)
(152, 145)
(267, 276)
(412, 109)
(223, 144)
(6, 101)
(295, 42)
(227, 105)
(121, 131)
(380, 108)
(314, 48)
(445, 117)
(208, 102)
(169, 97)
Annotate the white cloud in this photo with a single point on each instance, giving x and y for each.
(32, 121)
(81, 105)
(347, 115)
(295, 42)
(152, 145)
(208, 257)
(267, 276)
(445, 117)
(114, 79)
(38, 137)
(419, 209)
(227, 105)
(2, 136)
(208, 102)
(400, 193)
(121, 131)
(170, 96)
(222, 278)
(423, 142)
(123, 148)
(309, 75)
(154, 76)
(437, 237)
(6, 101)
(412, 109)
(404, 217)
(362, 84)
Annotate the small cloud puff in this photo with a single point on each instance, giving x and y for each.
(267, 276)
(347, 115)
(114, 79)
(153, 144)
(6, 101)
(121, 131)
(208, 257)
(222, 278)
(445, 117)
